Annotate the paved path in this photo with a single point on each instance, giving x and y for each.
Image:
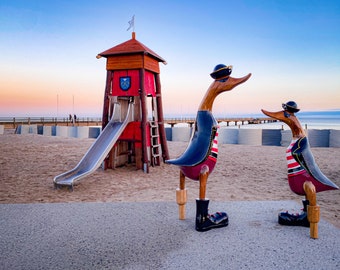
(150, 236)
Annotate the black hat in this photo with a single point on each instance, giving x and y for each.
(290, 106)
(221, 71)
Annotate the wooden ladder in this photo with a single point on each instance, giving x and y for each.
(155, 146)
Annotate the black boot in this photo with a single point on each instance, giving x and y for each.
(295, 219)
(204, 221)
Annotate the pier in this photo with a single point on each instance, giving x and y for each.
(14, 122)
(230, 121)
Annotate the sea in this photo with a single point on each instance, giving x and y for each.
(309, 120)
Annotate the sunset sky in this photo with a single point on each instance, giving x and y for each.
(48, 51)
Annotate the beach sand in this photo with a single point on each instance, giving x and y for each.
(28, 164)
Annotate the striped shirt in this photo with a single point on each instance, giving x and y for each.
(214, 148)
(294, 168)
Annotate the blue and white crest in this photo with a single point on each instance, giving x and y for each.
(125, 83)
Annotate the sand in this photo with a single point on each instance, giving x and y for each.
(28, 164)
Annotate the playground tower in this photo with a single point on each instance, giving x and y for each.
(133, 83)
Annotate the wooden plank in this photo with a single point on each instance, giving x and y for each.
(132, 61)
(151, 64)
(128, 61)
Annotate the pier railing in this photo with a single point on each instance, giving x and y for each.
(13, 122)
(230, 121)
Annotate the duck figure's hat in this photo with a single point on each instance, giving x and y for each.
(221, 72)
(290, 106)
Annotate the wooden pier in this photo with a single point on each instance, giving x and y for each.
(229, 121)
(14, 122)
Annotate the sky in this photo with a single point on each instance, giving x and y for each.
(48, 49)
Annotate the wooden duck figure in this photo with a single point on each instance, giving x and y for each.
(304, 175)
(199, 159)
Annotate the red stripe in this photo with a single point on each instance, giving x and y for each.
(293, 165)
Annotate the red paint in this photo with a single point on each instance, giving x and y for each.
(149, 82)
(134, 87)
(133, 132)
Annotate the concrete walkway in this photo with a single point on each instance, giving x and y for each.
(150, 236)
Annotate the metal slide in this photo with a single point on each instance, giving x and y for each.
(97, 152)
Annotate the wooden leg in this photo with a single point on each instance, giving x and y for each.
(181, 196)
(203, 178)
(313, 210)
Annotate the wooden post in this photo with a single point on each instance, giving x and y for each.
(105, 116)
(313, 210)
(204, 173)
(181, 196)
(145, 159)
(164, 146)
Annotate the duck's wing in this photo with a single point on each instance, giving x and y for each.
(303, 155)
(200, 143)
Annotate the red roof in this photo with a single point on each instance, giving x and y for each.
(130, 47)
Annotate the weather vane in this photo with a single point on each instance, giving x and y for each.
(132, 24)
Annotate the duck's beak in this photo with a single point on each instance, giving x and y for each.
(277, 115)
(290, 119)
(220, 86)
